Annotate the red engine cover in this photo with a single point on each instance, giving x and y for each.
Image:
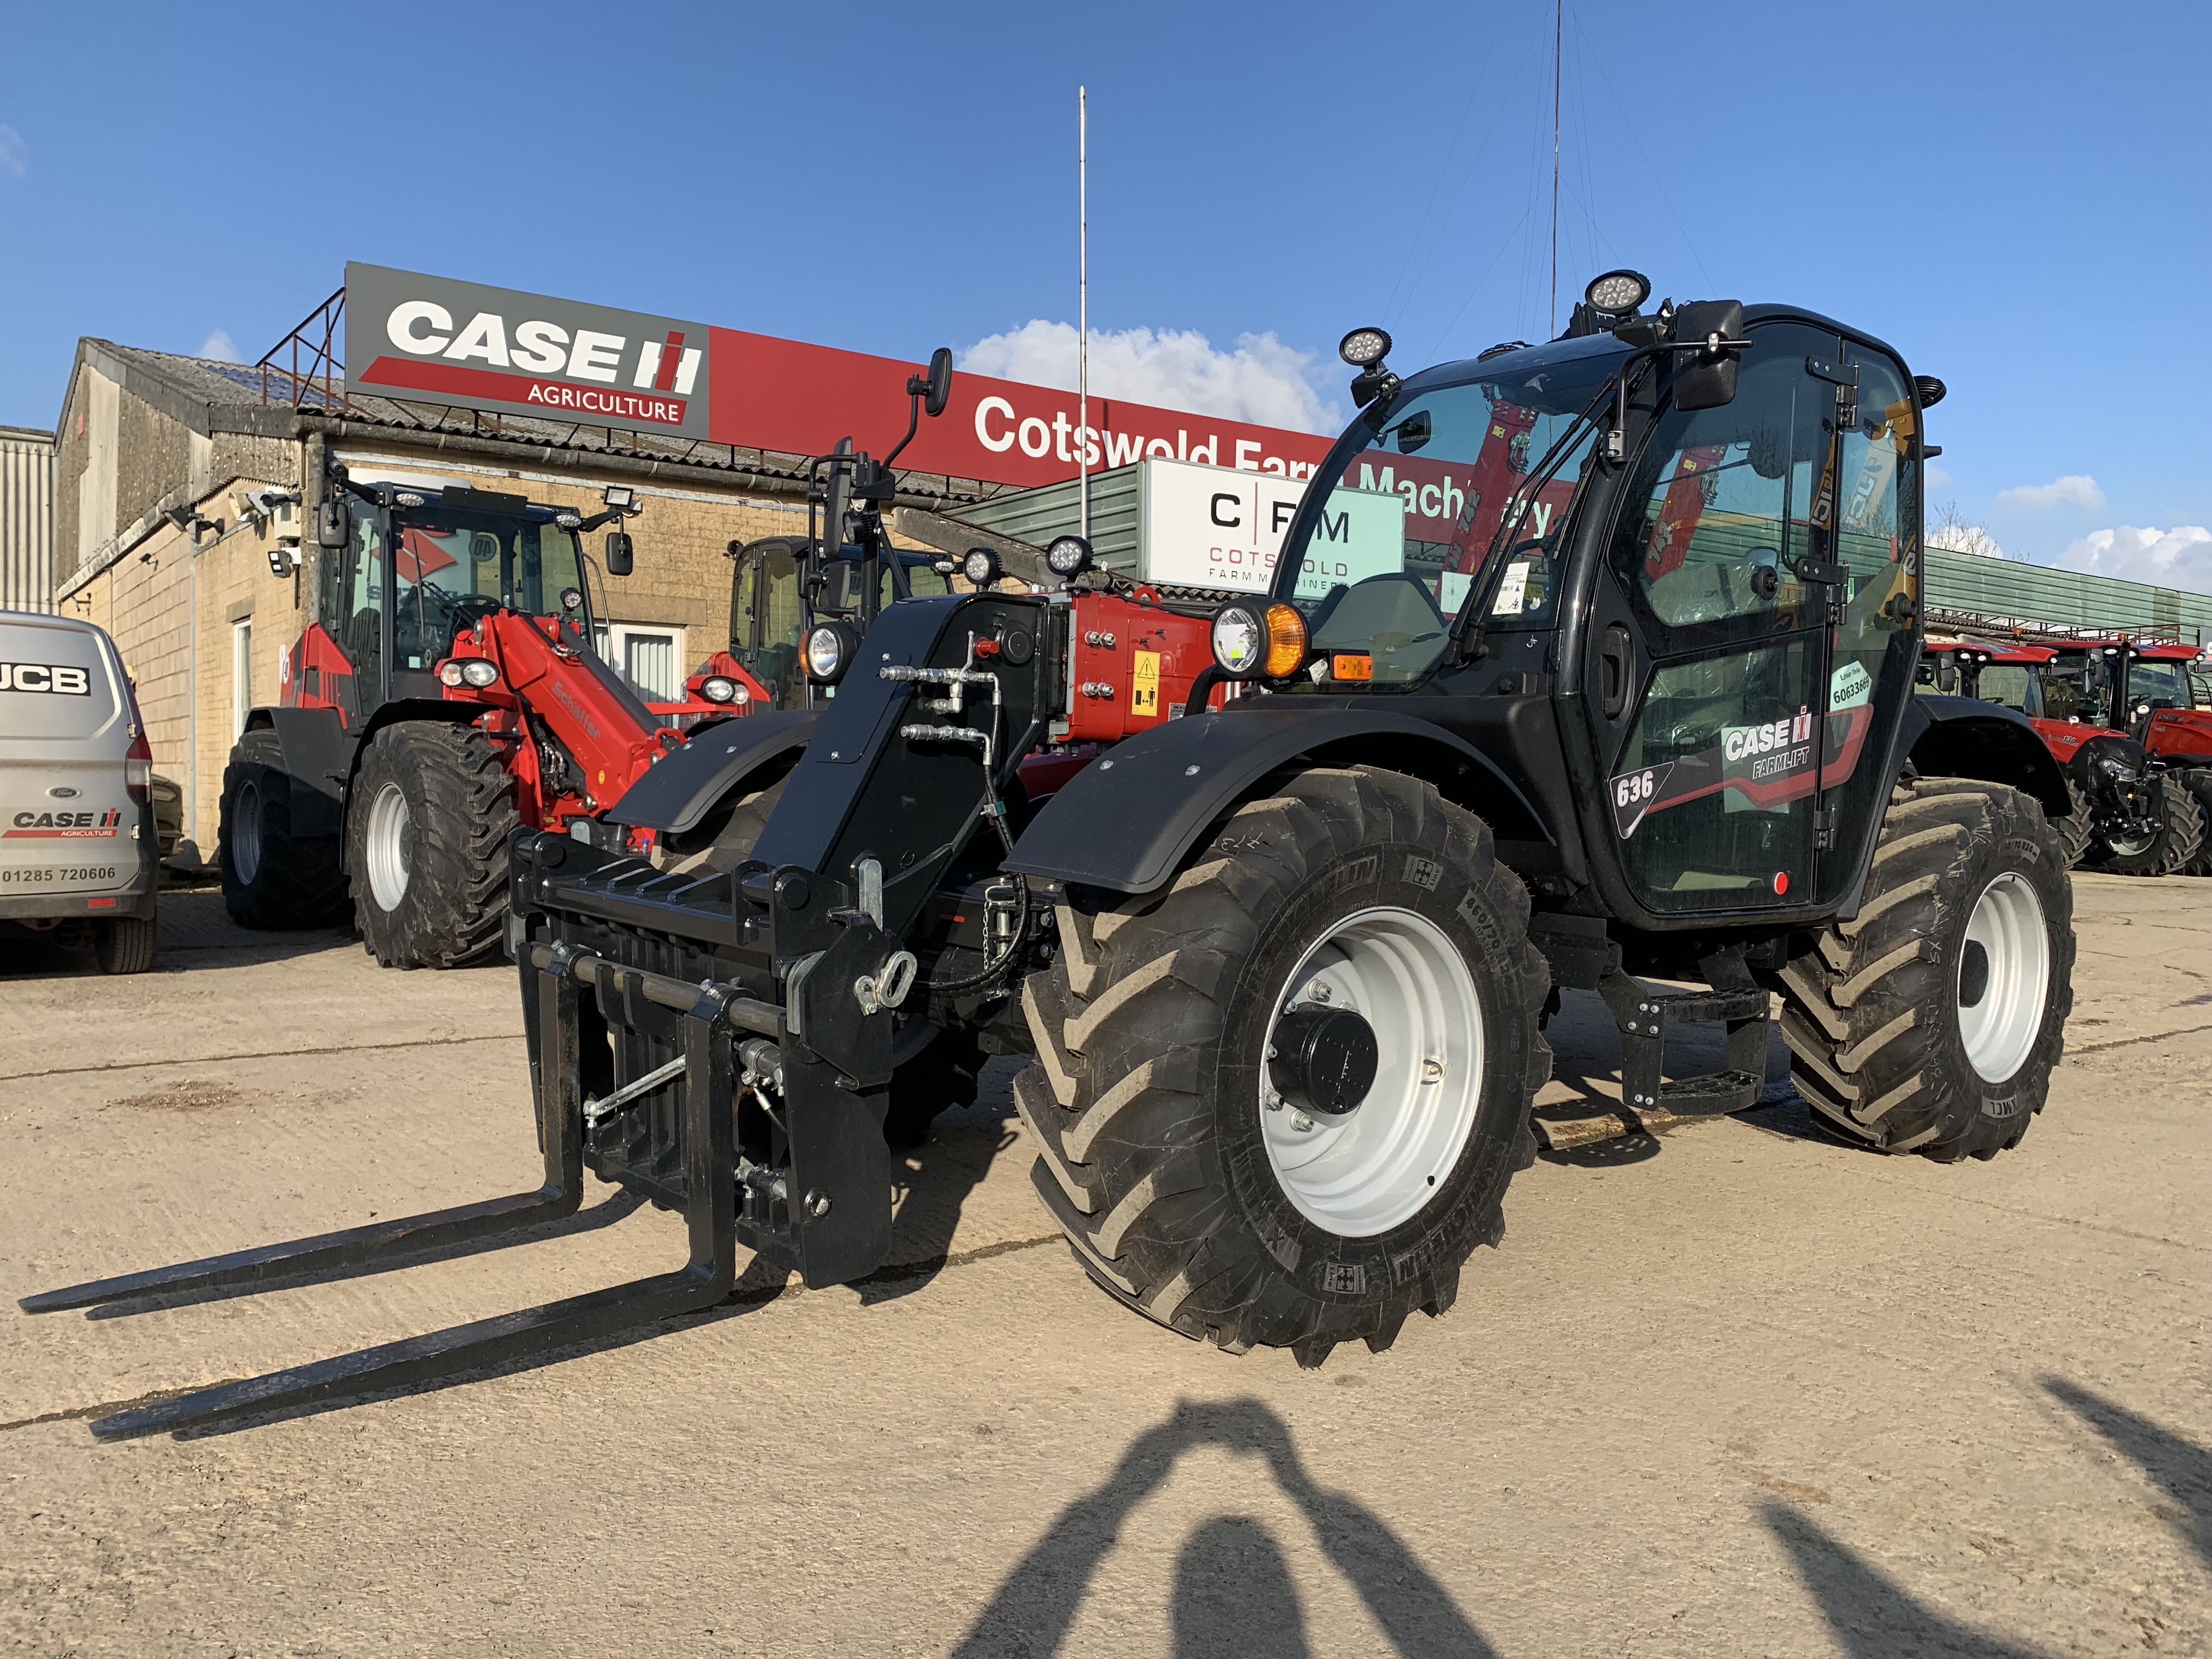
(1132, 664)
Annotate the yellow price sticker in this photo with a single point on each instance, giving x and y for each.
(1144, 688)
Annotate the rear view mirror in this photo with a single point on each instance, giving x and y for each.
(940, 381)
(837, 590)
(1706, 379)
(331, 529)
(621, 557)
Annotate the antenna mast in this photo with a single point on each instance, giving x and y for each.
(1559, 20)
(1082, 299)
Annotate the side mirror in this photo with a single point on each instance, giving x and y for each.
(837, 591)
(1414, 432)
(332, 530)
(1706, 379)
(622, 556)
(940, 386)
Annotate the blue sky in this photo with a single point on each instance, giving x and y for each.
(2016, 196)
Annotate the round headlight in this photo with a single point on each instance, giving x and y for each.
(716, 688)
(829, 650)
(979, 567)
(1618, 292)
(1067, 557)
(1240, 644)
(449, 673)
(1364, 346)
(479, 673)
(572, 599)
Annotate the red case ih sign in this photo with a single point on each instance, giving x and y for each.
(439, 341)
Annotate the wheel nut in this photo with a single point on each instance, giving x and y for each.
(1318, 991)
(1301, 1122)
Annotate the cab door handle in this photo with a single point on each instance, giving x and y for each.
(1616, 655)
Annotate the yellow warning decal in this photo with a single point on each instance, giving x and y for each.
(1145, 689)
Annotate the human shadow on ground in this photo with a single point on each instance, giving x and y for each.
(1233, 1593)
(2182, 1468)
(1871, 1616)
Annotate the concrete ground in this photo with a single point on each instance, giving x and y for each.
(1733, 1390)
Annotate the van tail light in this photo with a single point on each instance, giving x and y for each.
(138, 761)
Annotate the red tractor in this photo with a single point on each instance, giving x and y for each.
(2119, 714)
(449, 691)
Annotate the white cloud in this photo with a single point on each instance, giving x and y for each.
(219, 348)
(1937, 477)
(15, 153)
(1967, 538)
(2074, 490)
(1261, 381)
(2179, 558)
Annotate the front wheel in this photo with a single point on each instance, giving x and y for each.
(272, 877)
(1931, 1021)
(1280, 1103)
(426, 830)
(2172, 845)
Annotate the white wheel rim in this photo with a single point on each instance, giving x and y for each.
(387, 847)
(1367, 1173)
(246, 833)
(2005, 966)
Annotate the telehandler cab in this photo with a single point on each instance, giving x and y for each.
(1281, 967)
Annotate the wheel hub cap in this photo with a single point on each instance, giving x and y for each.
(1397, 1091)
(389, 849)
(2004, 978)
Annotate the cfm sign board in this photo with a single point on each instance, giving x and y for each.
(1212, 526)
(437, 340)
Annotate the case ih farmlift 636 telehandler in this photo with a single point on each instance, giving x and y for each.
(449, 690)
(1281, 968)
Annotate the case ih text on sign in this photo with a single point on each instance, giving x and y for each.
(508, 352)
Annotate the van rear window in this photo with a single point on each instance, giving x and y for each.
(55, 684)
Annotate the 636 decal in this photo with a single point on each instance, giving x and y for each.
(1632, 792)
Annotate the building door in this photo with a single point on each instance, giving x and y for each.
(241, 673)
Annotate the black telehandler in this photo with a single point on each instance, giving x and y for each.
(1584, 664)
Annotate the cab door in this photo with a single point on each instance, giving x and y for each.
(1709, 638)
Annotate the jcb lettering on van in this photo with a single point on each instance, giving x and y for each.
(57, 678)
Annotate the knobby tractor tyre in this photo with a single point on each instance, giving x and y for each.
(273, 879)
(2197, 780)
(942, 1076)
(426, 828)
(1931, 1022)
(124, 945)
(2179, 840)
(1186, 1195)
(2077, 830)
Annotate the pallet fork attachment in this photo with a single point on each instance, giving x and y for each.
(710, 1194)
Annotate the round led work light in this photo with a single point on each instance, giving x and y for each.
(1067, 557)
(980, 565)
(1253, 642)
(830, 648)
(1616, 292)
(718, 688)
(1364, 346)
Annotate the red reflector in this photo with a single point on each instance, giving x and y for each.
(100, 905)
(1781, 882)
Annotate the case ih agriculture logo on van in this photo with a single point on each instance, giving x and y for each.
(64, 826)
(496, 349)
(54, 678)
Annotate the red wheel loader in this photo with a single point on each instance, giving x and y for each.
(449, 691)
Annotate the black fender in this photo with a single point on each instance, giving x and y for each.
(679, 789)
(1945, 737)
(318, 758)
(1126, 822)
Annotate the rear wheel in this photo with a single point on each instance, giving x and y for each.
(273, 879)
(2197, 780)
(124, 945)
(427, 833)
(1206, 1139)
(2178, 840)
(1931, 1021)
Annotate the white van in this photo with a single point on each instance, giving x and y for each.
(79, 859)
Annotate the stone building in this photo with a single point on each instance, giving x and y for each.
(155, 540)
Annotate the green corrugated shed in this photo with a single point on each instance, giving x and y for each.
(2013, 592)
